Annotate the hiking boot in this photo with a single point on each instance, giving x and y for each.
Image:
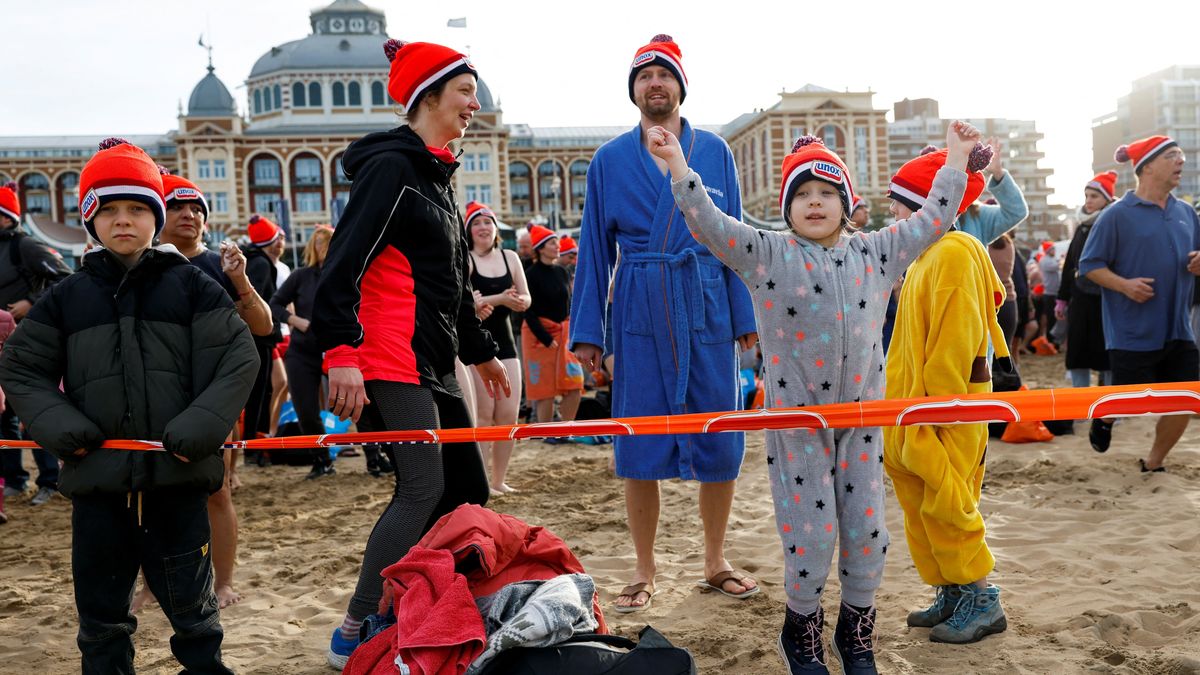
(852, 640)
(800, 642)
(941, 609)
(1100, 435)
(44, 494)
(340, 649)
(977, 615)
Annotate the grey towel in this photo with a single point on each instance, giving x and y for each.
(535, 614)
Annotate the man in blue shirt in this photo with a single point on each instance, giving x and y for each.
(1143, 251)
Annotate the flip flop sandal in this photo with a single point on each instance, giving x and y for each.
(632, 591)
(717, 583)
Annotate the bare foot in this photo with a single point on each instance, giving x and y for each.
(226, 596)
(141, 599)
(234, 481)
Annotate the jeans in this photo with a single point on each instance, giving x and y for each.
(11, 470)
(171, 544)
(1082, 377)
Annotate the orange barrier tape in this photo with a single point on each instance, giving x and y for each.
(1177, 398)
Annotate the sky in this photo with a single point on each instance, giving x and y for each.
(109, 68)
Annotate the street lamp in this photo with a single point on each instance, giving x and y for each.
(555, 186)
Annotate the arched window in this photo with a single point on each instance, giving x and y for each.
(67, 185)
(552, 191)
(579, 169)
(314, 94)
(34, 193)
(339, 94)
(308, 192)
(377, 94)
(266, 183)
(354, 91)
(520, 187)
(299, 100)
(257, 101)
(277, 98)
(341, 188)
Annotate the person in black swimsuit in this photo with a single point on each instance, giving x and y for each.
(499, 282)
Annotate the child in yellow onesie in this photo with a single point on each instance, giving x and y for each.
(946, 315)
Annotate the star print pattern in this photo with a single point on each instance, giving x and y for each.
(811, 304)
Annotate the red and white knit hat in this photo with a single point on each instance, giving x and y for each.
(567, 245)
(476, 209)
(1106, 184)
(120, 170)
(420, 66)
(10, 204)
(911, 184)
(857, 204)
(811, 160)
(539, 236)
(661, 51)
(262, 232)
(1145, 150)
(180, 189)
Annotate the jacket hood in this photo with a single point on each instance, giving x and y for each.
(399, 140)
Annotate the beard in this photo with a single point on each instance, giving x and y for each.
(658, 110)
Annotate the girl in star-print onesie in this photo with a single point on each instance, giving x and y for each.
(820, 293)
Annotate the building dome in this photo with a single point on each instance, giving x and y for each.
(486, 103)
(346, 34)
(211, 98)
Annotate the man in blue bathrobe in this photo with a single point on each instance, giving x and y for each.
(675, 316)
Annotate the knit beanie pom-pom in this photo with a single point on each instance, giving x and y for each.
(1112, 174)
(1122, 154)
(11, 185)
(804, 141)
(112, 143)
(391, 47)
(662, 37)
(981, 156)
(162, 170)
(255, 218)
(926, 150)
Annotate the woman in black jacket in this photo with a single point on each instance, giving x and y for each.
(303, 358)
(394, 307)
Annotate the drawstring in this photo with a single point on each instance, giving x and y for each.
(129, 505)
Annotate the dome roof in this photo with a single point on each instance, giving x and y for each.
(346, 34)
(210, 98)
(486, 103)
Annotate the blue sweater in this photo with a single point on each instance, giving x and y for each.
(991, 221)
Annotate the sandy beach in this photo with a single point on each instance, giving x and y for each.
(1099, 564)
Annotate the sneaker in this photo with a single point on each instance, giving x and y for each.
(12, 492)
(44, 494)
(977, 615)
(941, 609)
(1100, 435)
(852, 640)
(340, 649)
(320, 471)
(800, 642)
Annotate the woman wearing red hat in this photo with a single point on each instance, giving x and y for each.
(551, 370)
(499, 282)
(394, 307)
(1078, 301)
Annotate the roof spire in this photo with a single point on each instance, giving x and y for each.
(209, 48)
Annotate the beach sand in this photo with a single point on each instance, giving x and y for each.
(1099, 564)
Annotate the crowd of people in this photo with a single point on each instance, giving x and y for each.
(411, 314)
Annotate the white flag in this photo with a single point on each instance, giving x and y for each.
(457, 23)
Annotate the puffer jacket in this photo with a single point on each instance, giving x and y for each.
(154, 353)
(394, 298)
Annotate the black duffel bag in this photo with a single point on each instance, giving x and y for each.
(595, 654)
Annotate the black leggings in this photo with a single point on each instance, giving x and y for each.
(304, 384)
(258, 405)
(431, 479)
(1007, 318)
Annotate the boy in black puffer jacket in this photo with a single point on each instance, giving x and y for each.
(147, 347)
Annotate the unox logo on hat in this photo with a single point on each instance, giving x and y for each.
(90, 203)
(828, 171)
(184, 194)
(643, 58)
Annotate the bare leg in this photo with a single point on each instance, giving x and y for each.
(505, 411)
(641, 508)
(570, 405)
(1166, 434)
(222, 519)
(545, 410)
(143, 597)
(279, 392)
(716, 501)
